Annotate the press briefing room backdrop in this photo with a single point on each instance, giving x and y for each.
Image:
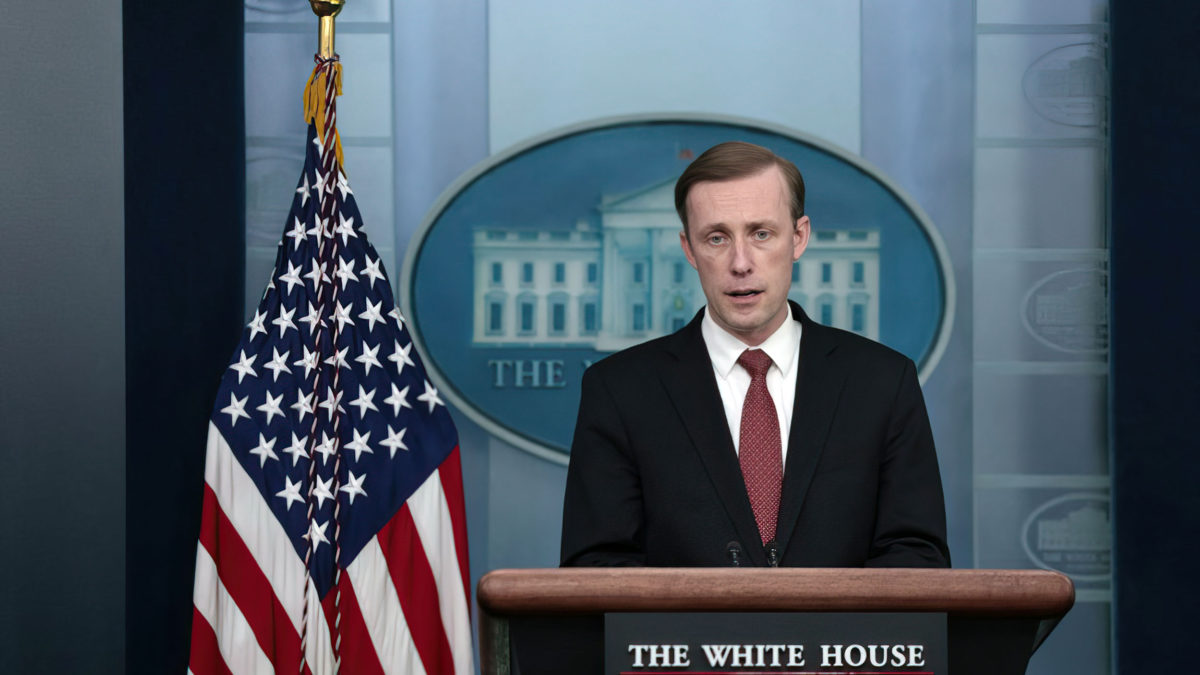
(999, 189)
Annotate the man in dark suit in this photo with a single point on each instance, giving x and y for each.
(753, 436)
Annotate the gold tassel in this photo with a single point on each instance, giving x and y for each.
(314, 105)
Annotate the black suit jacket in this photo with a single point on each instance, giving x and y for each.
(654, 479)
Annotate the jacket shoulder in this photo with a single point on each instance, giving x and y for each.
(851, 348)
(642, 357)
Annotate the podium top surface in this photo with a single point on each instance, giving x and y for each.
(1012, 593)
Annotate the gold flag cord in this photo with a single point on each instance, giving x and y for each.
(315, 93)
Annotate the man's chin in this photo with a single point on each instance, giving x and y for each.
(744, 325)
(750, 322)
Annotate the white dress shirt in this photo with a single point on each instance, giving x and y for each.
(733, 381)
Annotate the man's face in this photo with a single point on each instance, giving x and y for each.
(742, 240)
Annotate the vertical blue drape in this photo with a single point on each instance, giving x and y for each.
(1155, 333)
(184, 252)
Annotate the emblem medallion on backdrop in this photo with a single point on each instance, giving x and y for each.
(1068, 311)
(1069, 85)
(553, 254)
(1071, 534)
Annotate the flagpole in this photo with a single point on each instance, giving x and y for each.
(326, 10)
(320, 95)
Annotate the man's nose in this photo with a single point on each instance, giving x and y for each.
(740, 262)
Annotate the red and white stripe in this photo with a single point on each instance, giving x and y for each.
(404, 602)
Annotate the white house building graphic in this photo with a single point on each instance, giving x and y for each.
(628, 281)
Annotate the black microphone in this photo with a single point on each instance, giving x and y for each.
(735, 553)
(773, 553)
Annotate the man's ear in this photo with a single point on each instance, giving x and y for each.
(800, 237)
(687, 248)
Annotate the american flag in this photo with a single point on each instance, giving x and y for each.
(333, 533)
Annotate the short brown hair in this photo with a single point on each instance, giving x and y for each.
(736, 159)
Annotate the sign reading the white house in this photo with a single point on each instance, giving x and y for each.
(551, 256)
(718, 643)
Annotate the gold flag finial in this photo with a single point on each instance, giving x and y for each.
(326, 10)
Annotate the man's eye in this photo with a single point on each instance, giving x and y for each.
(762, 235)
(716, 239)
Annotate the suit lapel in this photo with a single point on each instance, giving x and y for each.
(818, 390)
(692, 387)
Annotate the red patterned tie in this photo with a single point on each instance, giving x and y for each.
(760, 452)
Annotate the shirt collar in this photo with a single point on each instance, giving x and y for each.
(724, 349)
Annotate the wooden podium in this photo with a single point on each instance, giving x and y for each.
(552, 620)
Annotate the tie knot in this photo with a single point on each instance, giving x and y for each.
(756, 362)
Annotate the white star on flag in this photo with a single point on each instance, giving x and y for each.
(395, 441)
(256, 324)
(398, 400)
(345, 272)
(316, 534)
(296, 449)
(278, 363)
(400, 356)
(368, 358)
(244, 366)
(365, 401)
(290, 492)
(316, 275)
(318, 231)
(318, 179)
(354, 486)
(372, 272)
(265, 450)
(430, 396)
(309, 361)
(304, 405)
(325, 448)
(344, 185)
(372, 314)
(395, 314)
(359, 444)
(235, 409)
(313, 317)
(284, 320)
(342, 315)
(339, 358)
(332, 402)
(291, 277)
(271, 407)
(297, 233)
(345, 228)
(321, 491)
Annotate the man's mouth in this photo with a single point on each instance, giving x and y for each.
(743, 294)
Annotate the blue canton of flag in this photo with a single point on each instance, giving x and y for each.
(334, 531)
